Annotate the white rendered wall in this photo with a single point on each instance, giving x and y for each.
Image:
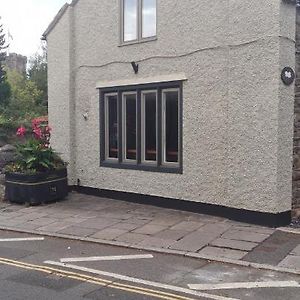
(237, 118)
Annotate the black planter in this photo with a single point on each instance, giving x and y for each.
(36, 189)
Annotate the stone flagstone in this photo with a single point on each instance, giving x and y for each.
(222, 253)
(233, 244)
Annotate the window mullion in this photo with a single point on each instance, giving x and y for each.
(120, 127)
(180, 122)
(139, 19)
(138, 134)
(102, 115)
(122, 27)
(159, 127)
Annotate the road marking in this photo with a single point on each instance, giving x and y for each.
(95, 280)
(140, 281)
(243, 285)
(22, 239)
(106, 258)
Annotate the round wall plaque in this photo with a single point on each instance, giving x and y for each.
(288, 75)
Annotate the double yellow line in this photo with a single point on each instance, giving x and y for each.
(94, 280)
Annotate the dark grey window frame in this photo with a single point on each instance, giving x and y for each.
(139, 165)
(140, 38)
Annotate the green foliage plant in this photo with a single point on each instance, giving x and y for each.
(34, 154)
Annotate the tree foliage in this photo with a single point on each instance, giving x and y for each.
(5, 91)
(25, 97)
(37, 73)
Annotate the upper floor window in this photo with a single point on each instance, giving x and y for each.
(138, 20)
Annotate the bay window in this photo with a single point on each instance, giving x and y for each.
(149, 120)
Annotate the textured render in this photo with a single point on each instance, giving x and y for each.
(235, 150)
(286, 106)
(60, 89)
(296, 173)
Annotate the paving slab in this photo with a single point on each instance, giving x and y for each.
(27, 226)
(172, 234)
(78, 231)
(55, 227)
(131, 238)
(274, 249)
(296, 251)
(223, 252)
(200, 238)
(242, 235)
(60, 215)
(233, 244)
(109, 233)
(42, 221)
(253, 228)
(97, 223)
(291, 262)
(138, 221)
(125, 226)
(187, 226)
(150, 229)
(156, 242)
(166, 220)
(75, 220)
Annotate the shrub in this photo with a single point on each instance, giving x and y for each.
(34, 154)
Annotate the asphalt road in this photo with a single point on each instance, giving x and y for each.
(52, 268)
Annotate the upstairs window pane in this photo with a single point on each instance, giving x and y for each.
(130, 20)
(148, 18)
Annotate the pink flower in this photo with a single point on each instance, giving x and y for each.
(37, 132)
(21, 131)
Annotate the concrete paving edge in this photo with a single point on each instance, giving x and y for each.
(289, 230)
(159, 250)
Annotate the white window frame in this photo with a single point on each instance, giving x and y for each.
(124, 152)
(106, 105)
(139, 25)
(164, 161)
(143, 127)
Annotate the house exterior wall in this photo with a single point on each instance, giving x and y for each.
(237, 116)
(296, 174)
(61, 101)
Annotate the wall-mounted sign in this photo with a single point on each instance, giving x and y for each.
(288, 75)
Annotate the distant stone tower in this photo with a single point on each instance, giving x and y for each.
(16, 62)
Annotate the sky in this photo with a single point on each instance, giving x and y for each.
(26, 21)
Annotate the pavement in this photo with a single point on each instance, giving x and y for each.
(145, 227)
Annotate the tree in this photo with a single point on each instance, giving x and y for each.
(37, 73)
(24, 96)
(5, 90)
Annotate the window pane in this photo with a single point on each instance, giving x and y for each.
(150, 127)
(149, 18)
(112, 121)
(130, 20)
(130, 128)
(171, 126)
